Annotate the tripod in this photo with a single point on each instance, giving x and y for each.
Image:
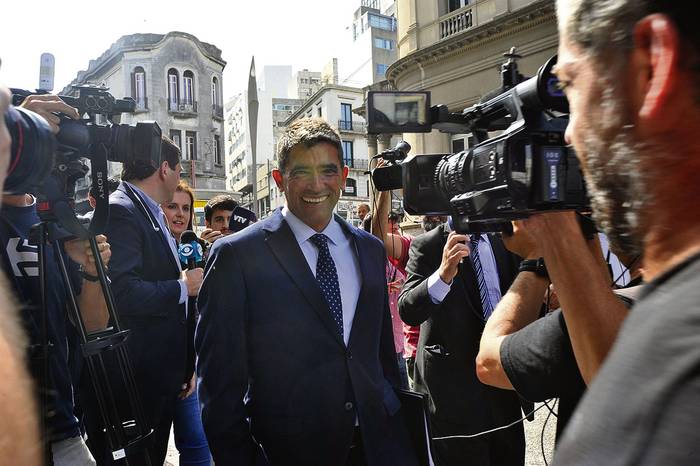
(126, 429)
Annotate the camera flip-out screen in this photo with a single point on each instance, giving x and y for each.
(398, 112)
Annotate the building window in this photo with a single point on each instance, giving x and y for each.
(217, 150)
(345, 122)
(347, 153)
(382, 22)
(173, 88)
(175, 137)
(457, 145)
(138, 87)
(350, 187)
(381, 69)
(190, 145)
(456, 4)
(381, 43)
(214, 92)
(187, 87)
(320, 112)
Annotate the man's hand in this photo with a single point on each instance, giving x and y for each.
(193, 280)
(79, 251)
(188, 388)
(47, 105)
(521, 242)
(452, 254)
(211, 235)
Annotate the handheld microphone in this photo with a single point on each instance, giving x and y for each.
(190, 251)
(241, 218)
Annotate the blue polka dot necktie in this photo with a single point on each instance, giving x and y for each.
(480, 280)
(327, 278)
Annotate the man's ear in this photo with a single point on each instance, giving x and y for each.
(163, 169)
(277, 176)
(346, 170)
(656, 62)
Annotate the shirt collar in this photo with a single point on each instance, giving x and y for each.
(302, 232)
(152, 205)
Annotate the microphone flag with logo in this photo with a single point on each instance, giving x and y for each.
(241, 218)
(189, 250)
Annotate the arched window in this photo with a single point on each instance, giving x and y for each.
(173, 88)
(138, 87)
(188, 88)
(350, 187)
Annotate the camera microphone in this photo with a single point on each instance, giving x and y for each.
(241, 218)
(189, 250)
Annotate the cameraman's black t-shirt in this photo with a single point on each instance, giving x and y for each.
(20, 263)
(540, 364)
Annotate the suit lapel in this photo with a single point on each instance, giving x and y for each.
(151, 221)
(467, 282)
(285, 248)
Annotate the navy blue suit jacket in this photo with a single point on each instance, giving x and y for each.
(266, 335)
(144, 278)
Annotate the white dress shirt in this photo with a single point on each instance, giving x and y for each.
(342, 250)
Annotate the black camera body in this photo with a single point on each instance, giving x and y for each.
(50, 166)
(527, 168)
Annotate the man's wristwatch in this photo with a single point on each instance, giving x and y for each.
(534, 265)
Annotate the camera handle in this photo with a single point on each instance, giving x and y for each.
(127, 433)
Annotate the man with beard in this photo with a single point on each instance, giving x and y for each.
(630, 71)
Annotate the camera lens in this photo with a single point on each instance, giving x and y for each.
(32, 155)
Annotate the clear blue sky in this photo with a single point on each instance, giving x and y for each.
(301, 33)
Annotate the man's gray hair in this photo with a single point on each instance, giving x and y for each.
(307, 132)
(604, 29)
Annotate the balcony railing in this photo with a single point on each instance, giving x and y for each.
(456, 22)
(351, 126)
(358, 164)
(183, 107)
(217, 111)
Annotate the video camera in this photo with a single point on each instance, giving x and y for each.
(50, 166)
(527, 168)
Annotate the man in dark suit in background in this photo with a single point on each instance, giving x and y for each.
(454, 282)
(295, 349)
(150, 291)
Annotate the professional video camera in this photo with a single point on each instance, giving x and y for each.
(526, 168)
(36, 154)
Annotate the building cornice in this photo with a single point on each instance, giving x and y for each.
(142, 42)
(312, 100)
(525, 18)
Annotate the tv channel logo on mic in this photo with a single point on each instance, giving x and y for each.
(190, 251)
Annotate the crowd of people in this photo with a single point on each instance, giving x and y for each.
(307, 328)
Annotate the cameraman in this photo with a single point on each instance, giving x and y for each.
(20, 262)
(19, 434)
(535, 356)
(629, 69)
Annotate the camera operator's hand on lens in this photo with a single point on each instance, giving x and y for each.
(47, 105)
(211, 235)
(79, 251)
(193, 280)
(521, 242)
(454, 251)
(551, 227)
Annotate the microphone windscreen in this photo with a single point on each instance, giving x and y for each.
(188, 236)
(241, 218)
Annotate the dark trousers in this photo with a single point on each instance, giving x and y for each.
(501, 448)
(357, 453)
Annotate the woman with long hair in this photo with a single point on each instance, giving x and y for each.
(187, 422)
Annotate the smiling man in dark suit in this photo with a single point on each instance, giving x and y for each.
(454, 282)
(295, 348)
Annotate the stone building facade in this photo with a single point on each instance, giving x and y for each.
(176, 80)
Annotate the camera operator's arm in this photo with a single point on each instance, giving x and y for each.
(93, 308)
(380, 221)
(428, 281)
(592, 312)
(46, 105)
(19, 429)
(519, 307)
